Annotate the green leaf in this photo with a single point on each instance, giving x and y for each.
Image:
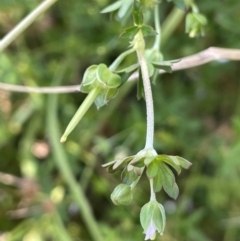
(157, 182)
(89, 78)
(130, 32)
(112, 7)
(100, 100)
(124, 8)
(174, 192)
(180, 4)
(111, 93)
(168, 179)
(183, 162)
(148, 31)
(173, 162)
(128, 177)
(119, 163)
(153, 168)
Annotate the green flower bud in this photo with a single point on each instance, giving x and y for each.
(153, 219)
(122, 195)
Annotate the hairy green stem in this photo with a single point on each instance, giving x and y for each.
(28, 20)
(140, 47)
(62, 163)
(80, 113)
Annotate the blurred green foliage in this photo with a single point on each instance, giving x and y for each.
(197, 117)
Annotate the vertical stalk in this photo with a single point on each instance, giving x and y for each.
(140, 47)
(153, 195)
(157, 43)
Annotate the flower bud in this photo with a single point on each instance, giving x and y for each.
(122, 194)
(153, 219)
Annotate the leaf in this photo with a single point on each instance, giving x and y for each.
(157, 182)
(112, 7)
(130, 32)
(183, 162)
(173, 162)
(166, 68)
(153, 168)
(148, 31)
(124, 8)
(180, 4)
(168, 179)
(111, 93)
(174, 191)
(121, 162)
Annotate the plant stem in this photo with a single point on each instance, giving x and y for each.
(157, 42)
(62, 163)
(28, 20)
(153, 195)
(80, 113)
(172, 21)
(140, 47)
(119, 59)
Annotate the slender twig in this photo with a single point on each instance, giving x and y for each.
(25, 23)
(203, 57)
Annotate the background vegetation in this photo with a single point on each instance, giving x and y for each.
(197, 117)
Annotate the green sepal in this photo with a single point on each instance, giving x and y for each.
(89, 78)
(106, 78)
(122, 195)
(153, 212)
